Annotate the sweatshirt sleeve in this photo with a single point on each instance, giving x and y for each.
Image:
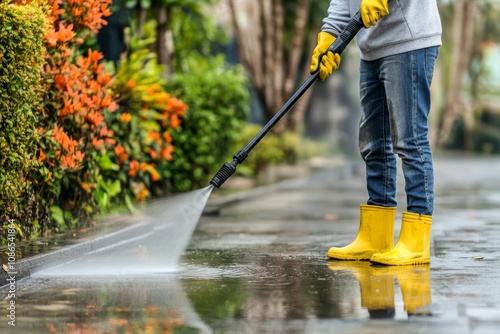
(338, 17)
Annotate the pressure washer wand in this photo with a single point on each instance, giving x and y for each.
(228, 169)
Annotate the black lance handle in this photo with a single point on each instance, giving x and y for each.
(346, 36)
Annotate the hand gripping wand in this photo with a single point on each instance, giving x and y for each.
(229, 168)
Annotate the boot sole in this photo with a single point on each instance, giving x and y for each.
(402, 263)
(363, 257)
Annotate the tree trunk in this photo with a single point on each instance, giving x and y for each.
(258, 28)
(142, 13)
(299, 31)
(463, 28)
(299, 111)
(249, 50)
(269, 56)
(162, 49)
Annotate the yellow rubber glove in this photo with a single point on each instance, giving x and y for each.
(329, 62)
(372, 11)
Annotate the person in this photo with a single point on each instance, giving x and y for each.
(398, 49)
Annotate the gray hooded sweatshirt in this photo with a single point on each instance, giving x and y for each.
(410, 25)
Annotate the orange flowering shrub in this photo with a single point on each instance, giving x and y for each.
(72, 126)
(142, 127)
(103, 137)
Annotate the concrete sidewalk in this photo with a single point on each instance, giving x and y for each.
(257, 263)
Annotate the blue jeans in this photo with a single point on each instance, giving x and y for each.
(395, 104)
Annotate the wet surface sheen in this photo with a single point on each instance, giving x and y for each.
(260, 267)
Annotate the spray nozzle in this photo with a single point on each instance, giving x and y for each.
(228, 169)
(224, 173)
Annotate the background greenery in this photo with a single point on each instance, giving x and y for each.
(219, 103)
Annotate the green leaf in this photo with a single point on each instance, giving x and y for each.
(150, 125)
(68, 216)
(115, 188)
(57, 215)
(145, 4)
(131, 3)
(106, 164)
(88, 208)
(151, 114)
(19, 229)
(129, 204)
(102, 198)
(36, 223)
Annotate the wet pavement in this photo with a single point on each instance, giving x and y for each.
(256, 264)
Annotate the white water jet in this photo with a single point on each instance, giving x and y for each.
(155, 248)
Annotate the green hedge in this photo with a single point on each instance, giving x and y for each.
(219, 104)
(22, 30)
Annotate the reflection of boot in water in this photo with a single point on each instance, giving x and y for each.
(377, 291)
(416, 289)
(415, 284)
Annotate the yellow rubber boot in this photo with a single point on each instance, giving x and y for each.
(414, 243)
(375, 234)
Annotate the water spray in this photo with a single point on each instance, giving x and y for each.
(229, 168)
